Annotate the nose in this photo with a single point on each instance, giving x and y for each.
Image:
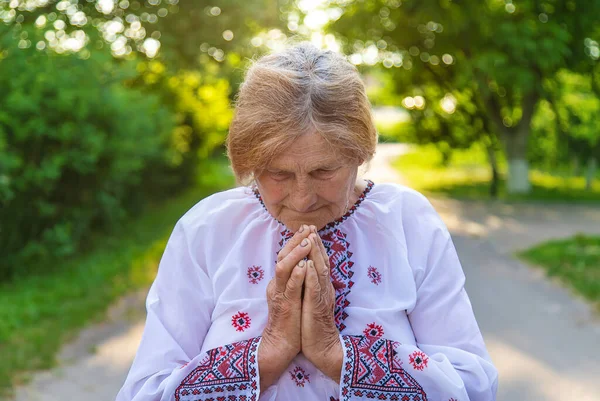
(303, 196)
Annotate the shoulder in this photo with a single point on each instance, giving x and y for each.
(404, 201)
(402, 208)
(419, 229)
(220, 210)
(398, 193)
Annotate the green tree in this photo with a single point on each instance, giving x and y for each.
(502, 51)
(445, 116)
(75, 145)
(201, 106)
(575, 108)
(185, 33)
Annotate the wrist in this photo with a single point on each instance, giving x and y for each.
(272, 361)
(335, 362)
(329, 360)
(279, 345)
(276, 351)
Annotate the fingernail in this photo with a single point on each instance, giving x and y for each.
(304, 242)
(301, 228)
(301, 263)
(313, 229)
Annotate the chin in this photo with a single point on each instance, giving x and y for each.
(293, 223)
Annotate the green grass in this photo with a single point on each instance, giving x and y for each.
(468, 176)
(576, 261)
(39, 313)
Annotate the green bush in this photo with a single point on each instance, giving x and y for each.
(76, 147)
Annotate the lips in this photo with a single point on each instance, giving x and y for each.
(306, 212)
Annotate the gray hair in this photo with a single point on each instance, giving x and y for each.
(293, 92)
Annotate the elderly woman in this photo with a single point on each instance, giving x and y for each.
(311, 283)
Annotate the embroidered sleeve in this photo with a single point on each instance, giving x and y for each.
(449, 361)
(230, 371)
(170, 364)
(448, 339)
(381, 369)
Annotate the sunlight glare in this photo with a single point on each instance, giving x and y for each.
(309, 5)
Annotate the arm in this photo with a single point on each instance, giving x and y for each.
(169, 364)
(450, 360)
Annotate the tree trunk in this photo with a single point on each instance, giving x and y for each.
(514, 138)
(590, 173)
(515, 143)
(446, 157)
(493, 160)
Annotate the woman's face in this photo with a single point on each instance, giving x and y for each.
(308, 184)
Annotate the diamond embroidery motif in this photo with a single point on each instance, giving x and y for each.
(418, 360)
(374, 275)
(241, 321)
(373, 331)
(255, 274)
(373, 370)
(300, 376)
(228, 368)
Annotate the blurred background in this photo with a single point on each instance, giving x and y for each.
(112, 121)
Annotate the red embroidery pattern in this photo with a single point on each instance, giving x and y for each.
(255, 274)
(286, 235)
(418, 360)
(300, 376)
(341, 272)
(373, 331)
(372, 369)
(228, 372)
(241, 321)
(374, 275)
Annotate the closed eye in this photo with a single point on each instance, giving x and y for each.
(324, 174)
(279, 175)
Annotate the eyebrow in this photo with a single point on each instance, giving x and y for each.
(331, 166)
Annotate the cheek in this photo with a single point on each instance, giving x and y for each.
(333, 191)
(272, 191)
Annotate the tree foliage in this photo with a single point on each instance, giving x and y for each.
(502, 52)
(74, 146)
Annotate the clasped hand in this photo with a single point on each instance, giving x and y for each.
(301, 301)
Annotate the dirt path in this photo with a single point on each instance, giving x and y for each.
(544, 341)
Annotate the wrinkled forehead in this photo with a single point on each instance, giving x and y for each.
(309, 151)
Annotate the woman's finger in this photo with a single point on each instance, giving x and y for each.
(284, 268)
(294, 285)
(321, 267)
(311, 281)
(324, 253)
(302, 233)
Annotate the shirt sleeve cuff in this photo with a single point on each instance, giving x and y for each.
(230, 371)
